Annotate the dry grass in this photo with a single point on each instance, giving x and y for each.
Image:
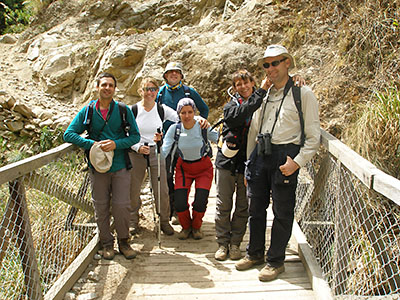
(375, 131)
(354, 51)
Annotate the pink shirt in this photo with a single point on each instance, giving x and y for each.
(102, 111)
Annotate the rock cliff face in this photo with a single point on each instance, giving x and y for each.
(49, 70)
(71, 42)
(132, 39)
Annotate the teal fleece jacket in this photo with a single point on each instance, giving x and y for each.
(112, 131)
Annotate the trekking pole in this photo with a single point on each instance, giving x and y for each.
(159, 186)
(153, 204)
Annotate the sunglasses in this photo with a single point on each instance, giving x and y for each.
(150, 89)
(274, 63)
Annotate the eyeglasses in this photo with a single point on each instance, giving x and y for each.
(274, 63)
(150, 89)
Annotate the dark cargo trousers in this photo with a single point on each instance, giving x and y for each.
(264, 179)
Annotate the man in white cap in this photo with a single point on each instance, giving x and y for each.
(170, 94)
(108, 138)
(283, 137)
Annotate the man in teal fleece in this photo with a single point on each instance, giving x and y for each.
(170, 94)
(109, 189)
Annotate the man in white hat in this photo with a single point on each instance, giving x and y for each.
(108, 140)
(281, 139)
(170, 94)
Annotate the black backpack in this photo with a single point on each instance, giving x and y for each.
(124, 125)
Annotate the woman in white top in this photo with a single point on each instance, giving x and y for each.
(148, 116)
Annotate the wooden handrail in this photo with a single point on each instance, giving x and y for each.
(365, 171)
(20, 168)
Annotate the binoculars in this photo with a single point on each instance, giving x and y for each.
(264, 144)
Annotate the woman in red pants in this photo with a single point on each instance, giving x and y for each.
(194, 164)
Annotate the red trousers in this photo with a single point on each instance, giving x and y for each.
(201, 172)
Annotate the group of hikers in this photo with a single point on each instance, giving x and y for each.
(268, 133)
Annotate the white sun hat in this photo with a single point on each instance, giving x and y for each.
(99, 159)
(173, 66)
(276, 50)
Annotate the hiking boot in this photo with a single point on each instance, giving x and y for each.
(246, 263)
(269, 272)
(184, 234)
(234, 252)
(175, 219)
(197, 234)
(126, 250)
(134, 228)
(222, 253)
(108, 252)
(167, 229)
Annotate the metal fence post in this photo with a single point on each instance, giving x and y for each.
(24, 240)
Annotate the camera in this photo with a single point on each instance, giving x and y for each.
(264, 144)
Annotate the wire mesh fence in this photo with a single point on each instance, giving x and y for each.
(46, 220)
(354, 231)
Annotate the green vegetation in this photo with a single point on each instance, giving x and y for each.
(14, 148)
(16, 15)
(50, 139)
(374, 133)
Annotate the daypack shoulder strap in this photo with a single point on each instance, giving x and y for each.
(134, 109)
(174, 148)
(178, 129)
(89, 117)
(124, 122)
(126, 127)
(160, 95)
(206, 149)
(297, 101)
(186, 89)
(160, 110)
(89, 113)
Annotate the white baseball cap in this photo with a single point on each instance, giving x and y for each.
(276, 50)
(228, 152)
(99, 159)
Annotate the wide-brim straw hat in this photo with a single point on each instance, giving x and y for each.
(276, 50)
(173, 66)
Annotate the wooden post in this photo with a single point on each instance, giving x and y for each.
(24, 240)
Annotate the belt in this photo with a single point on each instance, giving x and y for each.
(192, 161)
(284, 146)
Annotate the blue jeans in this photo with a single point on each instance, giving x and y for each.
(264, 179)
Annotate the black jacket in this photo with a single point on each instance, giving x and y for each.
(237, 119)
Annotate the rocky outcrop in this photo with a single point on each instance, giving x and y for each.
(133, 39)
